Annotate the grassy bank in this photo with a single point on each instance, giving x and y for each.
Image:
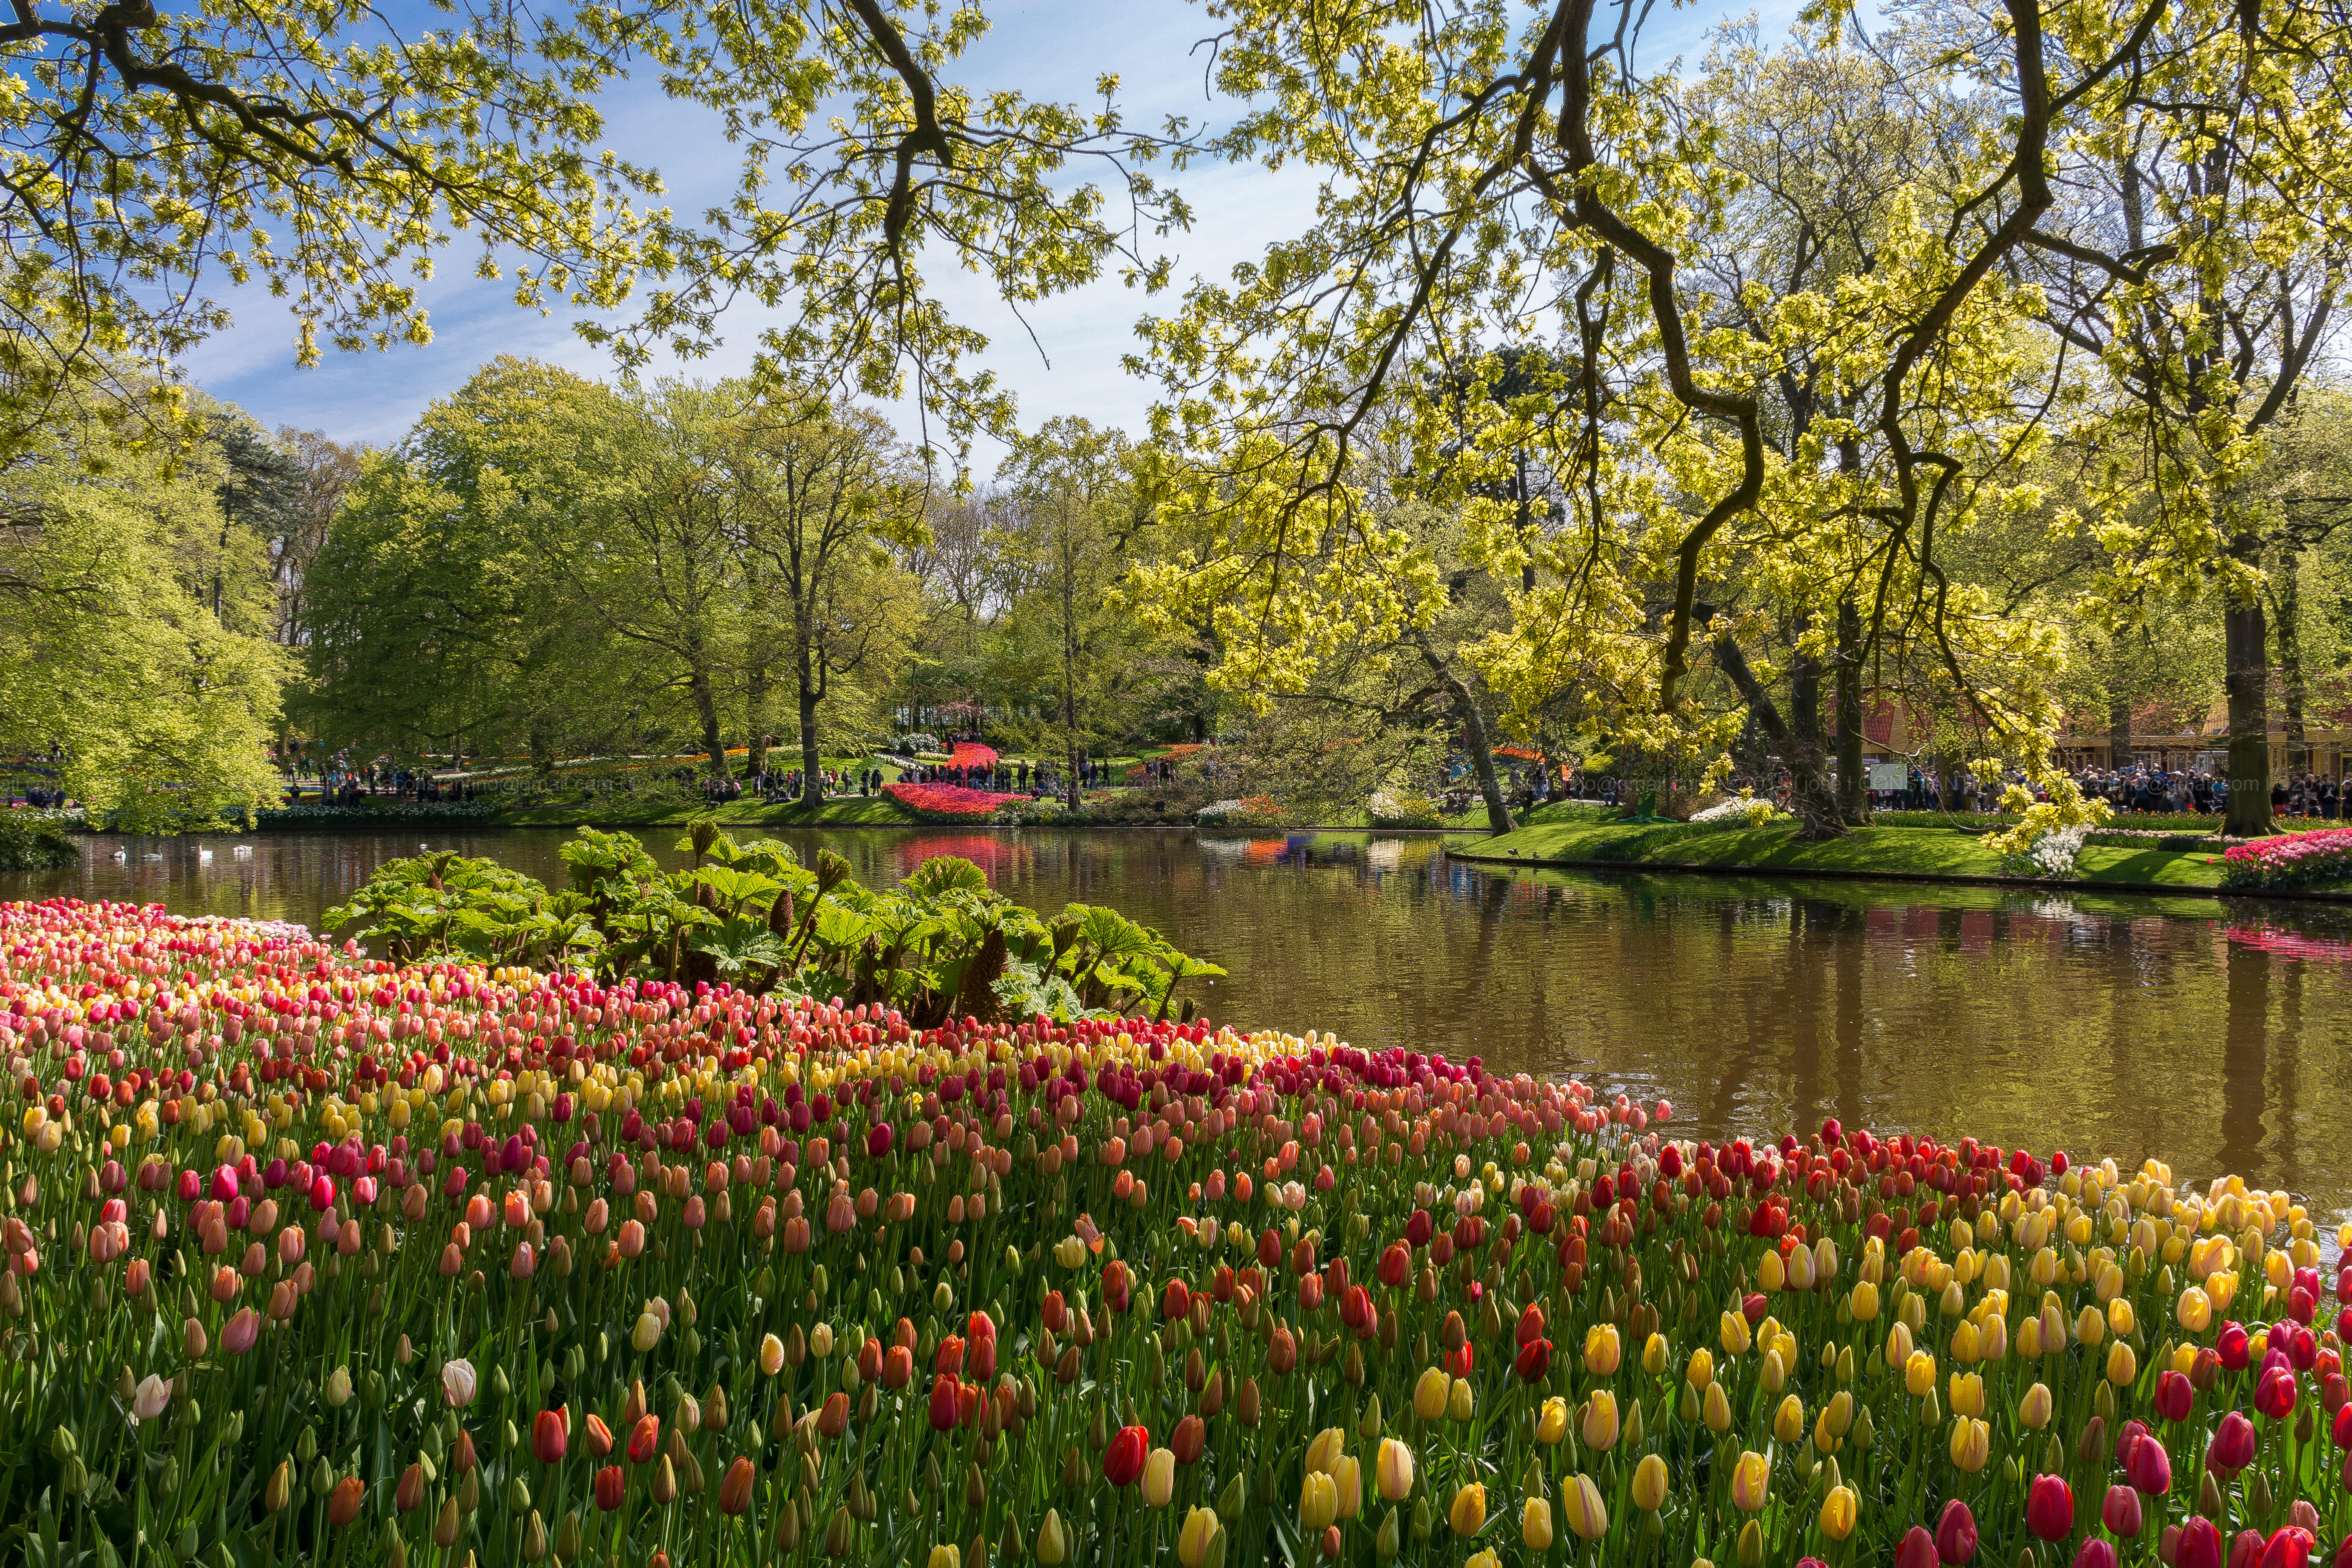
(1937, 852)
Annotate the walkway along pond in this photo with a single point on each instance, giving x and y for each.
(2214, 1034)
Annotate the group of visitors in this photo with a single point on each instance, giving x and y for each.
(771, 785)
(2142, 789)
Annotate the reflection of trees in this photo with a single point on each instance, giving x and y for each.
(2245, 1052)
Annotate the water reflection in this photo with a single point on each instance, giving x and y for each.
(2209, 1035)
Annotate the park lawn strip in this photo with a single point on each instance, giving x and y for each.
(1869, 851)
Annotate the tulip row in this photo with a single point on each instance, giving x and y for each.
(314, 1257)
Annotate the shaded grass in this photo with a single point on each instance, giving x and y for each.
(1869, 851)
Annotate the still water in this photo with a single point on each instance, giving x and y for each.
(2216, 1036)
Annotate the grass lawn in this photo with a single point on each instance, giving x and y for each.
(1880, 851)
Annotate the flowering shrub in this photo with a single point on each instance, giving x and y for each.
(312, 1258)
(1744, 808)
(2289, 861)
(1390, 807)
(949, 802)
(2051, 854)
(306, 813)
(1255, 811)
(972, 754)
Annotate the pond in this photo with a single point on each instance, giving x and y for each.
(2210, 1035)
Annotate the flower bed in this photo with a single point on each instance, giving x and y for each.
(972, 754)
(315, 1259)
(310, 814)
(2289, 861)
(948, 803)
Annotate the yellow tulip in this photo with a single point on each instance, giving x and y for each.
(1053, 1540)
(1319, 1501)
(1864, 1301)
(2195, 1311)
(2091, 1328)
(1770, 1277)
(1551, 1424)
(1600, 1429)
(2033, 1410)
(1654, 1355)
(1160, 1476)
(1535, 1522)
(1701, 1371)
(1789, 1421)
(1751, 1482)
(1200, 1532)
(1839, 1510)
(1324, 1450)
(1733, 1332)
(2121, 1319)
(1392, 1470)
(2122, 1364)
(1587, 1514)
(1603, 1350)
(1484, 1560)
(1971, 1443)
(1774, 1373)
(1919, 1375)
(1650, 1484)
(1716, 1410)
(1968, 1394)
(1966, 1345)
(1460, 1404)
(1468, 1513)
(1428, 1394)
(1992, 1338)
(1899, 1346)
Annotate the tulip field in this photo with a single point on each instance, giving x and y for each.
(312, 1258)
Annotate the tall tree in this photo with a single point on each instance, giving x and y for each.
(827, 501)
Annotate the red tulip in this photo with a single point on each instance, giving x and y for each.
(1123, 1461)
(1416, 1230)
(2148, 1468)
(2232, 1447)
(1396, 1265)
(1955, 1535)
(549, 1436)
(1310, 1293)
(833, 1416)
(2096, 1552)
(2275, 1394)
(2120, 1511)
(897, 1367)
(1531, 1325)
(1357, 1312)
(2050, 1508)
(878, 1141)
(1056, 1314)
(612, 1486)
(2174, 1394)
(600, 1437)
(343, 1503)
(644, 1438)
(735, 1488)
(949, 1359)
(1534, 1361)
(1917, 1550)
(1116, 1290)
(2343, 1426)
(1176, 1300)
(945, 1413)
(2234, 1346)
(2199, 1546)
(2290, 1546)
(1192, 1437)
(870, 1360)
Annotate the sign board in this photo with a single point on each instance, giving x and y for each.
(1890, 775)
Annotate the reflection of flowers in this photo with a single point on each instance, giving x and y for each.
(2290, 944)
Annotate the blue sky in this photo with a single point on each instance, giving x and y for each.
(1050, 48)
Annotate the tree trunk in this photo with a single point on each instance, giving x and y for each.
(2288, 598)
(2119, 725)
(812, 786)
(1473, 735)
(2244, 682)
(1852, 783)
(542, 753)
(706, 708)
(1817, 805)
(757, 685)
